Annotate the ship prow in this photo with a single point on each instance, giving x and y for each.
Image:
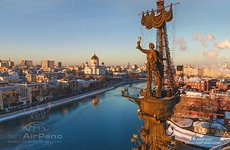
(152, 106)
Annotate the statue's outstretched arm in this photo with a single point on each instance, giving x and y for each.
(139, 46)
(141, 49)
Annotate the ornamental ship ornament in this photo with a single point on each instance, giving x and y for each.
(156, 105)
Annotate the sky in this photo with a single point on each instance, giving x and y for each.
(71, 31)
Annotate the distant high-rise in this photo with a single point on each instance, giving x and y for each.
(59, 64)
(6, 63)
(128, 65)
(10, 63)
(27, 63)
(47, 64)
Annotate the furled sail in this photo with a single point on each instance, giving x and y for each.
(153, 20)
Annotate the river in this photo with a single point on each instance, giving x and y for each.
(109, 125)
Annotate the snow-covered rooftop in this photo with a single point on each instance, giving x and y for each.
(211, 125)
(193, 138)
(193, 93)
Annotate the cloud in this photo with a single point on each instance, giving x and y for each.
(223, 45)
(210, 37)
(211, 54)
(204, 38)
(198, 37)
(181, 43)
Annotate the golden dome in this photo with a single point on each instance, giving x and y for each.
(94, 57)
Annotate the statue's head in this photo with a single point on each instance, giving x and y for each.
(151, 46)
(160, 3)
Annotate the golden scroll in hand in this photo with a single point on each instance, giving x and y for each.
(138, 41)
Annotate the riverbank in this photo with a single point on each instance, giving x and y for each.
(52, 104)
(78, 121)
(31, 110)
(129, 82)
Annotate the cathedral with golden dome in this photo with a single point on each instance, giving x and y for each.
(94, 68)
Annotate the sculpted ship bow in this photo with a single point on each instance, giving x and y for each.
(156, 103)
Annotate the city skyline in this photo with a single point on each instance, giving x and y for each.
(85, 74)
(72, 31)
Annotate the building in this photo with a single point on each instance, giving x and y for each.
(193, 71)
(13, 77)
(47, 65)
(190, 71)
(208, 72)
(3, 82)
(200, 84)
(224, 86)
(196, 83)
(26, 63)
(30, 77)
(87, 68)
(59, 65)
(9, 96)
(84, 84)
(70, 86)
(94, 68)
(2, 69)
(42, 78)
(11, 63)
(31, 92)
(6, 63)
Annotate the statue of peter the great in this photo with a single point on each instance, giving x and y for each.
(154, 66)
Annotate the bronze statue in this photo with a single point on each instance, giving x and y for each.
(156, 109)
(154, 66)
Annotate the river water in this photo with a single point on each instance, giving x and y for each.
(109, 125)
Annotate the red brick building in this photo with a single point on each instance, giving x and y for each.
(224, 86)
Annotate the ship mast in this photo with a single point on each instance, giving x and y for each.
(157, 19)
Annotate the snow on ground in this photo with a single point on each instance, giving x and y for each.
(182, 122)
(192, 138)
(212, 125)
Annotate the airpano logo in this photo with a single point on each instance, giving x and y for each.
(35, 127)
(40, 136)
(207, 140)
(38, 132)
